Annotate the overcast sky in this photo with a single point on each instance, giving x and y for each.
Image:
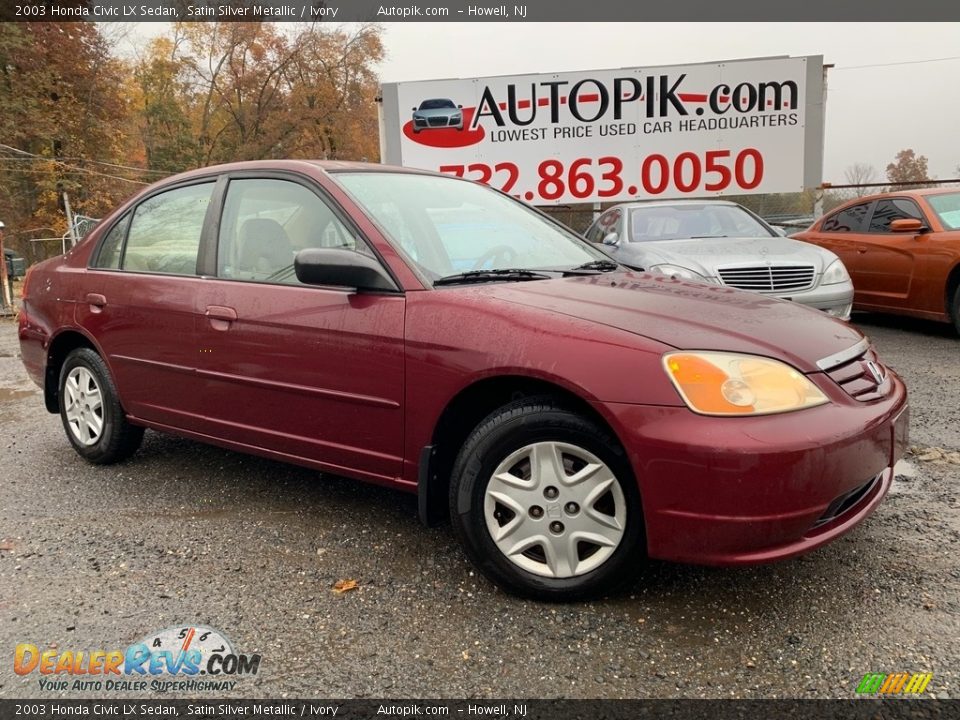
(871, 112)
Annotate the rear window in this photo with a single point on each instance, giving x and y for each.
(849, 220)
(165, 232)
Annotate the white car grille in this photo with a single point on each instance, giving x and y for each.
(769, 278)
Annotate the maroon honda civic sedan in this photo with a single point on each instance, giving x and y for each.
(570, 416)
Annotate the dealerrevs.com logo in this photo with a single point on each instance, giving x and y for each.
(185, 658)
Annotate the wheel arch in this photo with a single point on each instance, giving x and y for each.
(65, 342)
(951, 287)
(464, 412)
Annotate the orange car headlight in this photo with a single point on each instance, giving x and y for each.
(719, 383)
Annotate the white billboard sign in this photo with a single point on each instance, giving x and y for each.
(738, 127)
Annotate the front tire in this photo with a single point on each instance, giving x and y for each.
(93, 419)
(545, 504)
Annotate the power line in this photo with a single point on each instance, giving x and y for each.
(41, 158)
(76, 168)
(890, 64)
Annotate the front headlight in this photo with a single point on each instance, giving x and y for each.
(676, 271)
(835, 273)
(718, 383)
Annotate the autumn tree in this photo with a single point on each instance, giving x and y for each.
(63, 98)
(168, 139)
(908, 167)
(73, 115)
(249, 91)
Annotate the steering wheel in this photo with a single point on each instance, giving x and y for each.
(503, 253)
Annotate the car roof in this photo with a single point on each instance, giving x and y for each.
(671, 203)
(906, 192)
(328, 166)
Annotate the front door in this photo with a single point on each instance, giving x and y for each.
(887, 261)
(306, 372)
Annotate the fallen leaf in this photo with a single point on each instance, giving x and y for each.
(342, 586)
(6, 545)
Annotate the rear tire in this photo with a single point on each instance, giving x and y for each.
(955, 309)
(545, 503)
(93, 419)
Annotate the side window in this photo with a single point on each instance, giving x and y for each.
(848, 220)
(108, 256)
(266, 222)
(887, 211)
(165, 231)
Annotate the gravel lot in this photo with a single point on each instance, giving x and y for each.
(98, 557)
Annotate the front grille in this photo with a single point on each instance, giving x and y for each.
(863, 378)
(438, 121)
(846, 502)
(769, 278)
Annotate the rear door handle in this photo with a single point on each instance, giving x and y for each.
(96, 301)
(220, 316)
(861, 250)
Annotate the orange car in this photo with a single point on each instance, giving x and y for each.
(902, 250)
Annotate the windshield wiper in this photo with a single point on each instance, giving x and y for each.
(601, 265)
(479, 276)
(706, 237)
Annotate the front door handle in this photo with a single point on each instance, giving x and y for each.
(220, 316)
(861, 250)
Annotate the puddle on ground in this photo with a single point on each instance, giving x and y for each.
(15, 394)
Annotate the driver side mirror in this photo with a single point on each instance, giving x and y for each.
(612, 238)
(908, 225)
(340, 268)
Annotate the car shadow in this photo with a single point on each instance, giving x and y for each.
(302, 502)
(899, 322)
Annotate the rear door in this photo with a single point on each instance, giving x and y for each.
(303, 371)
(141, 304)
(843, 233)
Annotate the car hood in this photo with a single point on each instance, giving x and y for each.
(689, 315)
(705, 255)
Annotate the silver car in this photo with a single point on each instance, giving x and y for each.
(437, 113)
(725, 244)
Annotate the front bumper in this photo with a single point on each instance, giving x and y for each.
(836, 300)
(732, 491)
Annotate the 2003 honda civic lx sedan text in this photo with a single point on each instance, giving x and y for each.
(428, 333)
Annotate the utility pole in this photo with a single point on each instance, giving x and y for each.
(4, 280)
(71, 228)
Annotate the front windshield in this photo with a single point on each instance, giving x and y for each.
(691, 220)
(947, 208)
(436, 104)
(447, 226)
